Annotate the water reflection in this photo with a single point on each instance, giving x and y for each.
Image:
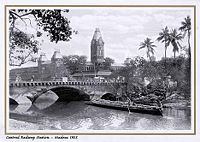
(178, 113)
(79, 116)
(13, 107)
(46, 100)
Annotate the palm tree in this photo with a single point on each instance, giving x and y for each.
(148, 44)
(186, 27)
(164, 37)
(175, 37)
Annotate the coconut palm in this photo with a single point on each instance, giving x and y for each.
(175, 37)
(186, 27)
(164, 37)
(148, 44)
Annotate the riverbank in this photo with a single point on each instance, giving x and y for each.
(183, 104)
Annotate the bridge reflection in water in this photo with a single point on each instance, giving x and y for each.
(76, 115)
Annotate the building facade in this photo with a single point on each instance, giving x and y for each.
(46, 70)
(54, 69)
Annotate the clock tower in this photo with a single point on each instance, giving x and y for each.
(57, 66)
(97, 48)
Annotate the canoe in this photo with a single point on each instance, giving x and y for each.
(125, 106)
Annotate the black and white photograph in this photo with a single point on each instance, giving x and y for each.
(100, 69)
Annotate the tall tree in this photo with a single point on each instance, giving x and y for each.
(75, 63)
(186, 27)
(23, 45)
(148, 44)
(175, 37)
(164, 37)
(108, 62)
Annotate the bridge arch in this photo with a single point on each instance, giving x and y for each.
(66, 93)
(63, 90)
(109, 96)
(12, 101)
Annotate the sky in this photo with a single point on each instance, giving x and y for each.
(122, 30)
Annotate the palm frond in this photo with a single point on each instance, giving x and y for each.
(180, 45)
(150, 43)
(182, 28)
(141, 47)
(186, 24)
(142, 43)
(175, 46)
(160, 38)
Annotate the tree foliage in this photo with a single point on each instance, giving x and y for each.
(131, 69)
(50, 21)
(108, 62)
(148, 44)
(172, 74)
(22, 46)
(75, 63)
(156, 72)
(175, 37)
(186, 28)
(164, 37)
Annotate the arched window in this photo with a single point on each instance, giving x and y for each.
(100, 51)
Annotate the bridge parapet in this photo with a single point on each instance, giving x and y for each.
(57, 83)
(62, 89)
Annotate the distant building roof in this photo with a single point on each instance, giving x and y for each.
(43, 58)
(114, 64)
(100, 60)
(47, 62)
(57, 55)
(89, 64)
(24, 69)
(118, 64)
(99, 73)
(104, 73)
(26, 65)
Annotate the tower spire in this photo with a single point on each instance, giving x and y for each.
(97, 47)
(97, 34)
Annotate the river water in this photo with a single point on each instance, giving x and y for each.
(79, 116)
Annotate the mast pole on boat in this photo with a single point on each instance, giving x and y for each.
(126, 94)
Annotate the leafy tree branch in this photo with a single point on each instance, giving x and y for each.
(51, 21)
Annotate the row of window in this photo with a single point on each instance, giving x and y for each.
(89, 68)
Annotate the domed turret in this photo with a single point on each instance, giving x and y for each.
(42, 58)
(56, 55)
(57, 66)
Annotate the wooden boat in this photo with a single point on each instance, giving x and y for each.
(125, 106)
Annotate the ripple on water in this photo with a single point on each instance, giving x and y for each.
(78, 116)
(85, 124)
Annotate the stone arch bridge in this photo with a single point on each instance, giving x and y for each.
(66, 91)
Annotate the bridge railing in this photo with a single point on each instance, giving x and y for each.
(57, 83)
